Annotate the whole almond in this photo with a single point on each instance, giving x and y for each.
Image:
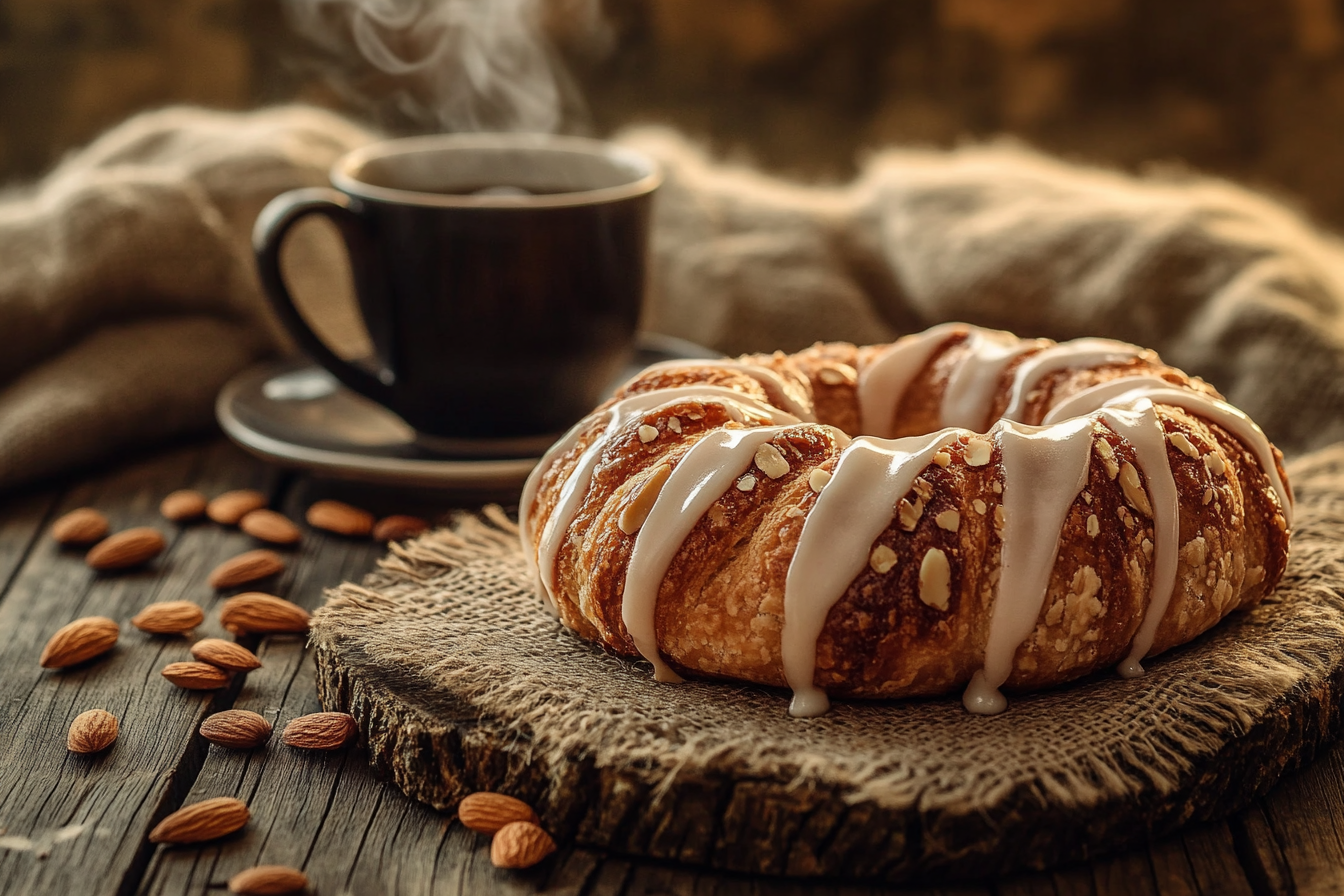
(225, 655)
(488, 812)
(399, 528)
(130, 547)
(83, 525)
(239, 729)
(169, 617)
(78, 641)
(231, 507)
(335, 516)
(201, 821)
(183, 505)
(256, 613)
(268, 880)
(249, 566)
(196, 676)
(270, 526)
(92, 731)
(319, 731)
(520, 844)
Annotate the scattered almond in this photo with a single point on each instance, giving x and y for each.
(83, 525)
(319, 731)
(257, 613)
(196, 676)
(268, 525)
(488, 812)
(183, 505)
(520, 844)
(130, 547)
(225, 655)
(201, 821)
(169, 617)
(78, 641)
(268, 880)
(92, 731)
(231, 507)
(335, 516)
(249, 566)
(239, 729)
(399, 528)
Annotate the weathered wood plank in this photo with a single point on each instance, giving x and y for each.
(1213, 861)
(1305, 815)
(91, 813)
(1260, 853)
(23, 520)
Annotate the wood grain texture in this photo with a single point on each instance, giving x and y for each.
(75, 825)
(87, 816)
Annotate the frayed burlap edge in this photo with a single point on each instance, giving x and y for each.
(461, 682)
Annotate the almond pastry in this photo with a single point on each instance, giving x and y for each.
(961, 509)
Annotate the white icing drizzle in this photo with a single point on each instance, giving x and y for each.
(701, 476)
(855, 507)
(970, 390)
(621, 413)
(1229, 418)
(883, 381)
(1044, 469)
(1066, 355)
(1139, 424)
(1094, 397)
(779, 392)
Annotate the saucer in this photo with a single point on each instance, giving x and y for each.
(296, 414)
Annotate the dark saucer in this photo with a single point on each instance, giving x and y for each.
(296, 414)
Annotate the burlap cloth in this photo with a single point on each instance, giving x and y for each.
(462, 682)
(128, 296)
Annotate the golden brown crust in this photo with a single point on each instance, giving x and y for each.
(720, 608)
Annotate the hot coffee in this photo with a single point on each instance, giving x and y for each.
(495, 313)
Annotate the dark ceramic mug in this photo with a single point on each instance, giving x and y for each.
(500, 278)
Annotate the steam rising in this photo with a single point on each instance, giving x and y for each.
(463, 65)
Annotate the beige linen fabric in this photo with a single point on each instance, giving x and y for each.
(128, 295)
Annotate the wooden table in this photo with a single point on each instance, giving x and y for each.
(73, 825)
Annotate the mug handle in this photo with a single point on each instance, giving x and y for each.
(268, 237)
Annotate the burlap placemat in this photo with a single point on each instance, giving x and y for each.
(461, 682)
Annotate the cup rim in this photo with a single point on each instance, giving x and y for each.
(344, 173)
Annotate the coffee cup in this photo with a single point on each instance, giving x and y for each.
(500, 278)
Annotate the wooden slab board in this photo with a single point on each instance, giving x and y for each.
(461, 683)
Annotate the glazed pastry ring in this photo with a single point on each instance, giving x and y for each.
(1015, 513)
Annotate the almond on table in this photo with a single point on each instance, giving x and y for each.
(268, 880)
(520, 844)
(170, 617)
(270, 526)
(78, 641)
(92, 731)
(255, 613)
(250, 566)
(399, 527)
(84, 525)
(320, 731)
(230, 507)
(183, 505)
(238, 729)
(125, 549)
(196, 676)
(225, 655)
(487, 812)
(206, 820)
(341, 518)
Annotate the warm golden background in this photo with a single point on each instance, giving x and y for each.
(1250, 89)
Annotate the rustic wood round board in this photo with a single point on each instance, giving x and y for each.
(460, 682)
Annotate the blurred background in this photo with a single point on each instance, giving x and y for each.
(1248, 89)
